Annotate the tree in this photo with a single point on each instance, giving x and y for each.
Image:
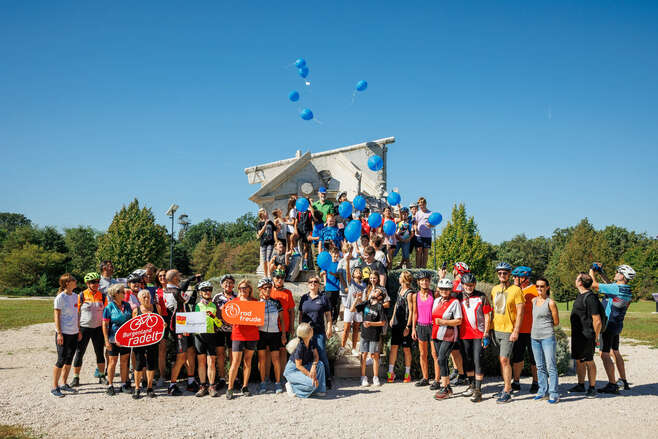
(133, 239)
(82, 244)
(461, 241)
(534, 253)
(202, 255)
(11, 221)
(644, 261)
(48, 238)
(210, 229)
(27, 265)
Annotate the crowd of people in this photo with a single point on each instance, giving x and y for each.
(456, 321)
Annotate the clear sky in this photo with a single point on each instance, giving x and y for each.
(535, 114)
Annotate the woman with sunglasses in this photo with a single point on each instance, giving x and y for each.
(422, 328)
(446, 318)
(115, 314)
(67, 333)
(160, 284)
(315, 309)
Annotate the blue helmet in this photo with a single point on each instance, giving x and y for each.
(522, 271)
(503, 266)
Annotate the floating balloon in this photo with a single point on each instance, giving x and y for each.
(353, 231)
(435, 218)
(361, 85)
(303, 71)
(393, 198)
(306, 114)
(389, 227)
(324, 260)
(375, 220)
(301, 62)
(294, 96)
(301, 204)
(345, 209)
(375, 163)
(359, 202)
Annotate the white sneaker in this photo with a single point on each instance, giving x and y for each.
(364, 382)
(289, 390)
(375, 381)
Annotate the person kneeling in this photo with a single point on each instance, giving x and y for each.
(304, 372)
(374, 320)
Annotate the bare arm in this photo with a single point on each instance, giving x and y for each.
(554, 312)
(596, 322)
(328, 323)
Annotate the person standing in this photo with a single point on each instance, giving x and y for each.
(323, 205)
(331, 278)
(446, 319)
(106, 280)
(267, 234)
(423, 232)
(521, 277)
(544, 317)
(145, 356)
(401, 323)
(67, 333)
(356, 289)
(224, 334)
(161, 283)
(508, 306)
(116, 313)
(374, 320)
(422, 328)
(585, 329)
(206, 343)
(315, 309)
(270, 337)
(285, 298)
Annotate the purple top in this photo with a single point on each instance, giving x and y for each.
(423, 225)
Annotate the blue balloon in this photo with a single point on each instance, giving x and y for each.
(301, 62)
(375, 163)
(359, 202)
(306, 114)
(393, 198)
(353, 231)
(345, 209)
(361, 85)
(389, 227)
(301, 205)
(375, 220)
(435, 218)
(293, 96)
(303, 71)
(324, 260)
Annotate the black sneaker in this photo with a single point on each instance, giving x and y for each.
(75, 382)
(460, 381)
(192, 387)
(245, 391)
(137, 394)
(477, 396)
(150, 393)
(174, 390)
(623, 384)
(56, 392)
(435, 385)
(102, 380)
(534, 387)
(229, 394)
(578, 388)
(516, 386)
(126, 388)
(110, 391)
(220, 384)
(67, 388)
(609, 388)
(422, 383)
(328, 383)
(591, 393)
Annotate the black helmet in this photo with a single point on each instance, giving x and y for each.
(422, 274)
(134, 277)
(226, 277)
(468, 278)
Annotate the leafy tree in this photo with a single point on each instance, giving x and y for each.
(210, 229)
(11, 221)
(242, 230)
(48, 238)
(133, 239)
(644, 261)
(202, 255)
(227, 258)
(25, 266)
(82, 243)
(534, 253)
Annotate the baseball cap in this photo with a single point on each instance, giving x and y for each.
(322, 190)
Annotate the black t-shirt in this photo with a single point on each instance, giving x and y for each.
(584, 307)
(267, 238)
(402, 310)
(313, 310)
(366, 268)
(304, 353)
(371, 313)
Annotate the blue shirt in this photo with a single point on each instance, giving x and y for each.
(116, 316)
(333, 234)
(312, 311)
(317, 229)
(333, 282)
(615, 303)
(303, 352)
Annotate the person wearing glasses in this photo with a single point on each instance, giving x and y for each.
(160, 284)
(544, 317)
(271, 337)
(423, 232)
(224, 334)
(315, 309)
(67, 333)
(115, 314)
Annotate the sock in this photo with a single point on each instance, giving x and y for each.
(190, 380)
(462, 376)
(407, 370)
(478, 384)
(391, 367)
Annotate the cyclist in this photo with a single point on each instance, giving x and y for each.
(284, 296)
(206, 343)
(115, 314)
(67, 333)
(223, 336)
(446, 318)
(270, 337)
(145, 356)
(521, 277)
(422, 328)
(457, 377)
(401, 322)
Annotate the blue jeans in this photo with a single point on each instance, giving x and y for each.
(544, 352)
(302, 385)
(321, 343)
(405, 247)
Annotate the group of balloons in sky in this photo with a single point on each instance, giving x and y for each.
(303, 71)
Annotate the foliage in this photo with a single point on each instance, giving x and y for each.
(82, 244)
(133, 239)
(202, 255)
(10, 222)
(645, 262)
(30, 265)
(47, 238)
(240, 231)
(227, 258)
(520, 250)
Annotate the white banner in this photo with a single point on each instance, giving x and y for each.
(192, 322)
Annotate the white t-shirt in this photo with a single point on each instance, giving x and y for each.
(381, 257)
(68, 319)
(292, 215)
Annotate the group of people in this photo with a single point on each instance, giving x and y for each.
(456, 321)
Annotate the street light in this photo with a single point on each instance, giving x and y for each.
(170, 213)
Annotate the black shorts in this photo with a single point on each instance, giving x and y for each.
(66, 350)
(424, 332)
(183, 343)
(270, 340)
(520, 347)
(146, 356)
(302, 237)
(223, 339)
(609, 340)
(205, 344)
(117, 350)
(398, 339)
(424, 242)
(582, 348)
(241, 345)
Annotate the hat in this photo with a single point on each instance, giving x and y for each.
(264, 281)
(413, 205)
(279, 273)
(342, 194)
(322, 190)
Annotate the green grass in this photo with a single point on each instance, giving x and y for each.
(15, 313)
(15, 432)
(644, 306)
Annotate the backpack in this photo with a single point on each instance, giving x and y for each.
(268, 234)
(401, 316)
(602, 312)
(304, 226)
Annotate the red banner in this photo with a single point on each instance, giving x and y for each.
(143, 330)
(244, 312)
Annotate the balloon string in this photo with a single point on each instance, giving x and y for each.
(353, 99)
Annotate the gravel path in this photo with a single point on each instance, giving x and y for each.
(393, 410)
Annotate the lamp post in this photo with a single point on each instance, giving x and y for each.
(170, 213)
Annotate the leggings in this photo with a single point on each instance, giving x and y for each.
(472, 354)
(97, 340)
(66, 350)
(443, 349)
(334, 299)
(146, 356)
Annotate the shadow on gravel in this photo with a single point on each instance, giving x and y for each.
(346, 393)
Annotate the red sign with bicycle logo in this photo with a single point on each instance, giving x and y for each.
(143, 330)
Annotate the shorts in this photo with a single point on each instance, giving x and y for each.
(116, 350)
(270, 340)
(241, 345)
(146, 356)
(352, 317)
(369, 346)
(520, 346)
(424, 332)
(222, 339)
(183, 343)
(506, 346)
(609, 340)
(66, 350)
(205, 344)
(424, 242)
(582, 348)
(398, 339)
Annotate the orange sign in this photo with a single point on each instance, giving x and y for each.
(244, 312)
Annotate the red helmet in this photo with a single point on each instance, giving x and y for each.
(462, 268)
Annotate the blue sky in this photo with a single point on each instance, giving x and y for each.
(535, 114)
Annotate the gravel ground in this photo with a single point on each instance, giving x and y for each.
(393, 410)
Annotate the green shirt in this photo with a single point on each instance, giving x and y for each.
(210, 322)
(326, 208)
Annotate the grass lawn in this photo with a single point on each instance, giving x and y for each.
(15, 313)
(641, 306)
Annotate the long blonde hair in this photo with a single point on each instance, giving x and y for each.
(303, 330)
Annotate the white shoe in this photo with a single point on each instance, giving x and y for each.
(364, 382)
(375, 381)
(355, 352)
(289, 390)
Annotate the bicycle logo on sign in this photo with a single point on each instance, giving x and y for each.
(149, 320)
(232, 310)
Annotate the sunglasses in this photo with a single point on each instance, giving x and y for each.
(94, 282)
(242, 288)
(206, 290)
(313, 282)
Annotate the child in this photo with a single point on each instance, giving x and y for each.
(280, 258)
(330, 233)
(314, 237)
(371, 331)
(281, 226)
(356, 289)
(380, 256)
(266, 233)
(332, 283)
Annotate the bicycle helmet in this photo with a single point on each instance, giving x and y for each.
(462, 267)
(444, 283)
(134, 277)
(522, 271)
(423, 274)
(226, 277)
(468, 278)
(91, 276)
(626, 271)
(279, 273)
(264, 282)
(503, 266)
(206, 285)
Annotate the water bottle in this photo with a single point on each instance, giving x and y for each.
(485, 342)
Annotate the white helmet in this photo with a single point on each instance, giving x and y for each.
(444, 283)
(626, 271)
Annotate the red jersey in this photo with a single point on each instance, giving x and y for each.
(449, 310)
(285, 298)
(474, 308)
(245, 332)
